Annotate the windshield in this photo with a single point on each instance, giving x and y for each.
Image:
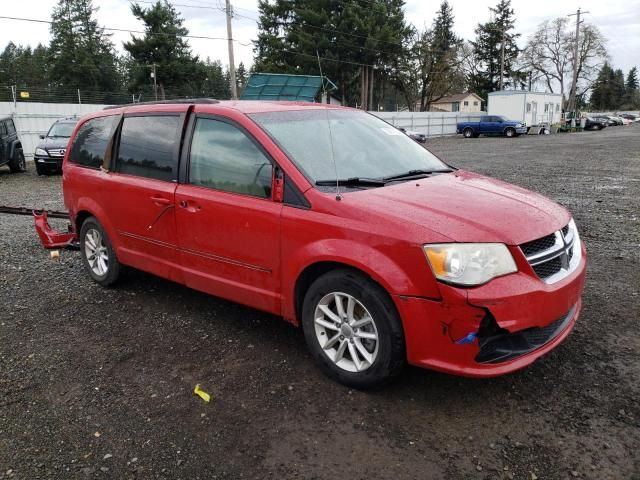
(363, 145)
(61, 129)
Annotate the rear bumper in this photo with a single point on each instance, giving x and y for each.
(531, 318)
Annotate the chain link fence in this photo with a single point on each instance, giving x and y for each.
(56, 94)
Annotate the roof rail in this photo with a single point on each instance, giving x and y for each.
(197, 101)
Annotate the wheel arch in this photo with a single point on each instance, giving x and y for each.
(314, 271)
(85, 208)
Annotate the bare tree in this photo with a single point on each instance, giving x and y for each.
(548, 55)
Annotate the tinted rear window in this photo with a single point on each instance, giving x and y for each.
(11, 128)
(91, 142)
(148, 147)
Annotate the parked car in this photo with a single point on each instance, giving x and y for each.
(606, 119)
(324, 215)
(11, 153)
(50, 151)
(630, 116)
(491, 125)
(595, 123)
(614, 121)
(416, 136)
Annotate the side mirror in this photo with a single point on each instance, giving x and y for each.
(41, 137)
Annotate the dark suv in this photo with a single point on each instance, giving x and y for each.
(11, 153)
(50, 151)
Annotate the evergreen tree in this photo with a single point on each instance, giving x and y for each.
(618, 89)
(178, 72)
(80, 55)
(488, 45)
(216, 82)
(350, 37)
(241, 77)
(601, 92)
(632, 79)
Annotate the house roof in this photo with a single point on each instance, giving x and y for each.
(456, 98)
(275, 86)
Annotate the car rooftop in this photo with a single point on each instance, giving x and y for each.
(242, 106)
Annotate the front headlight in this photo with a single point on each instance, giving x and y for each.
(469, 264)
(42, 152)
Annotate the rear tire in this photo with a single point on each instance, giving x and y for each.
(18, 164)
(98, 255)
(359, 343)
(468, 133)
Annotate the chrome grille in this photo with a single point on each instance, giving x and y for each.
(56, 152)
(539, 245)
(554, 256)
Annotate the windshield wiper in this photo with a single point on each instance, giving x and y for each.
(415, 173)
(352, 182)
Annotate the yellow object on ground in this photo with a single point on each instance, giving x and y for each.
(201, 393)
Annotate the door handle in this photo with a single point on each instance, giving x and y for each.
(160, 201)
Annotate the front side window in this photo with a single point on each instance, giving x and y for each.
(11, 128)
(224, 158)
(3, 129)
(91, 142)
(325, 142)
(148, 147)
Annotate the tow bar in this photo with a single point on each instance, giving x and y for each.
(50, 238)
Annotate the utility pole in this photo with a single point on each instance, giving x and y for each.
(501, 61)
(574, 84)
(232, 65)
(155, 82)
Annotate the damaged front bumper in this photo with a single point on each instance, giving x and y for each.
(493, 329)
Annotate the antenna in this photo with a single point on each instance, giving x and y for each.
(326, 110)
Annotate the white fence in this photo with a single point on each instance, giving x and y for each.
(34, 119)
(432, 124)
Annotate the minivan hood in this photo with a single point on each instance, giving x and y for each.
(467, 207)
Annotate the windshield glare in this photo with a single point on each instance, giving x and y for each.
(61, 130)
(363, 146)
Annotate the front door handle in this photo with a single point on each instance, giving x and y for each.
(160, 201)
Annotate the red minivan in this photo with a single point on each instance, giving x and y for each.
(334, 220)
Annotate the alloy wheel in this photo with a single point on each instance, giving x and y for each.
(346, 332)
(96, 252)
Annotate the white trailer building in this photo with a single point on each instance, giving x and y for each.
(531, 108)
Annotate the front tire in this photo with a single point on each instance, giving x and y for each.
(352, 329)
(510, 132)
(19, 163)
(98, 255)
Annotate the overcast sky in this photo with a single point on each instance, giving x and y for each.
(619, 21)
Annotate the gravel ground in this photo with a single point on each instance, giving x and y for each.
(98, 383)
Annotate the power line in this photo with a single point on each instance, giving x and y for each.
(114, 29)
(192, 36)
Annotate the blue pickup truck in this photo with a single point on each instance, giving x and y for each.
(491, 125)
